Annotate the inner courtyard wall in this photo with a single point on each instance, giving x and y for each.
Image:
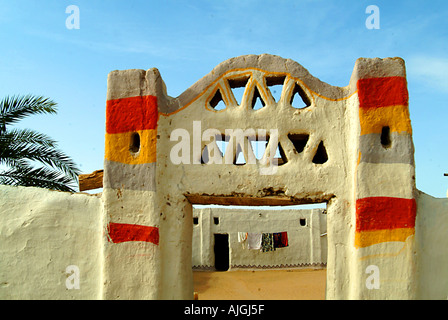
(306, 233)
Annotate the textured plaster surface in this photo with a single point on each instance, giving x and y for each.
(42, 233)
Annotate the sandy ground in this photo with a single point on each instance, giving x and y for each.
(296, 284)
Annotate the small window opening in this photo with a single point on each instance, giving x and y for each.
(216, 220)
(385, 137)
(303, 222)
(195, 220)
(321, 154)
(135, 143)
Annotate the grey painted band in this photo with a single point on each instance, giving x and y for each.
(401, 149)
(129, 176)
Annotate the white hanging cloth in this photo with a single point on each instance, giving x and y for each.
(254, 241)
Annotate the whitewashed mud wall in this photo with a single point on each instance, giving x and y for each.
(47, 239)
(432, 244)
(43, 232)
(306, 231)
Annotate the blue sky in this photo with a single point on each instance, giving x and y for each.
(186, 39)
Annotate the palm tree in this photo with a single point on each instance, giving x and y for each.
(31, 158)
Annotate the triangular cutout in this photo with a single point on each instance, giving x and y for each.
(299, 99)
(239, 159)
(224, 144)
(321, 155)
(299, 141)
(260, 151)
(238, 87)
(275, 85)
(245, 148)
(280, 155)
(212, 153)
(259, 148)
(257, 101)
(217, 102)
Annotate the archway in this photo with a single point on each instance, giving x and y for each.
(330, 149)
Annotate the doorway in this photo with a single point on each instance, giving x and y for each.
(221, 251)
(297, 271)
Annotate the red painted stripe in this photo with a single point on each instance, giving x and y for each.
(121, 232)
(378, 213)
(382, 92)
(131, 114)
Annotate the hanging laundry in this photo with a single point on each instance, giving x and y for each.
(254, 241)
(280, 239)
(242, 237)
(277, 240)
(267, 242)
(284, 239)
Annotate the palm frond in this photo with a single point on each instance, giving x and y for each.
(15, 108)
(26, 136)
(21, 148)
(36, 177)
(44, 154)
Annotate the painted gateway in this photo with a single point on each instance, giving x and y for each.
(350, 147)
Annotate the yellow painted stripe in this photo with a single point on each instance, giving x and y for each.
(368, 238)
(118, 145)
(374, 119)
